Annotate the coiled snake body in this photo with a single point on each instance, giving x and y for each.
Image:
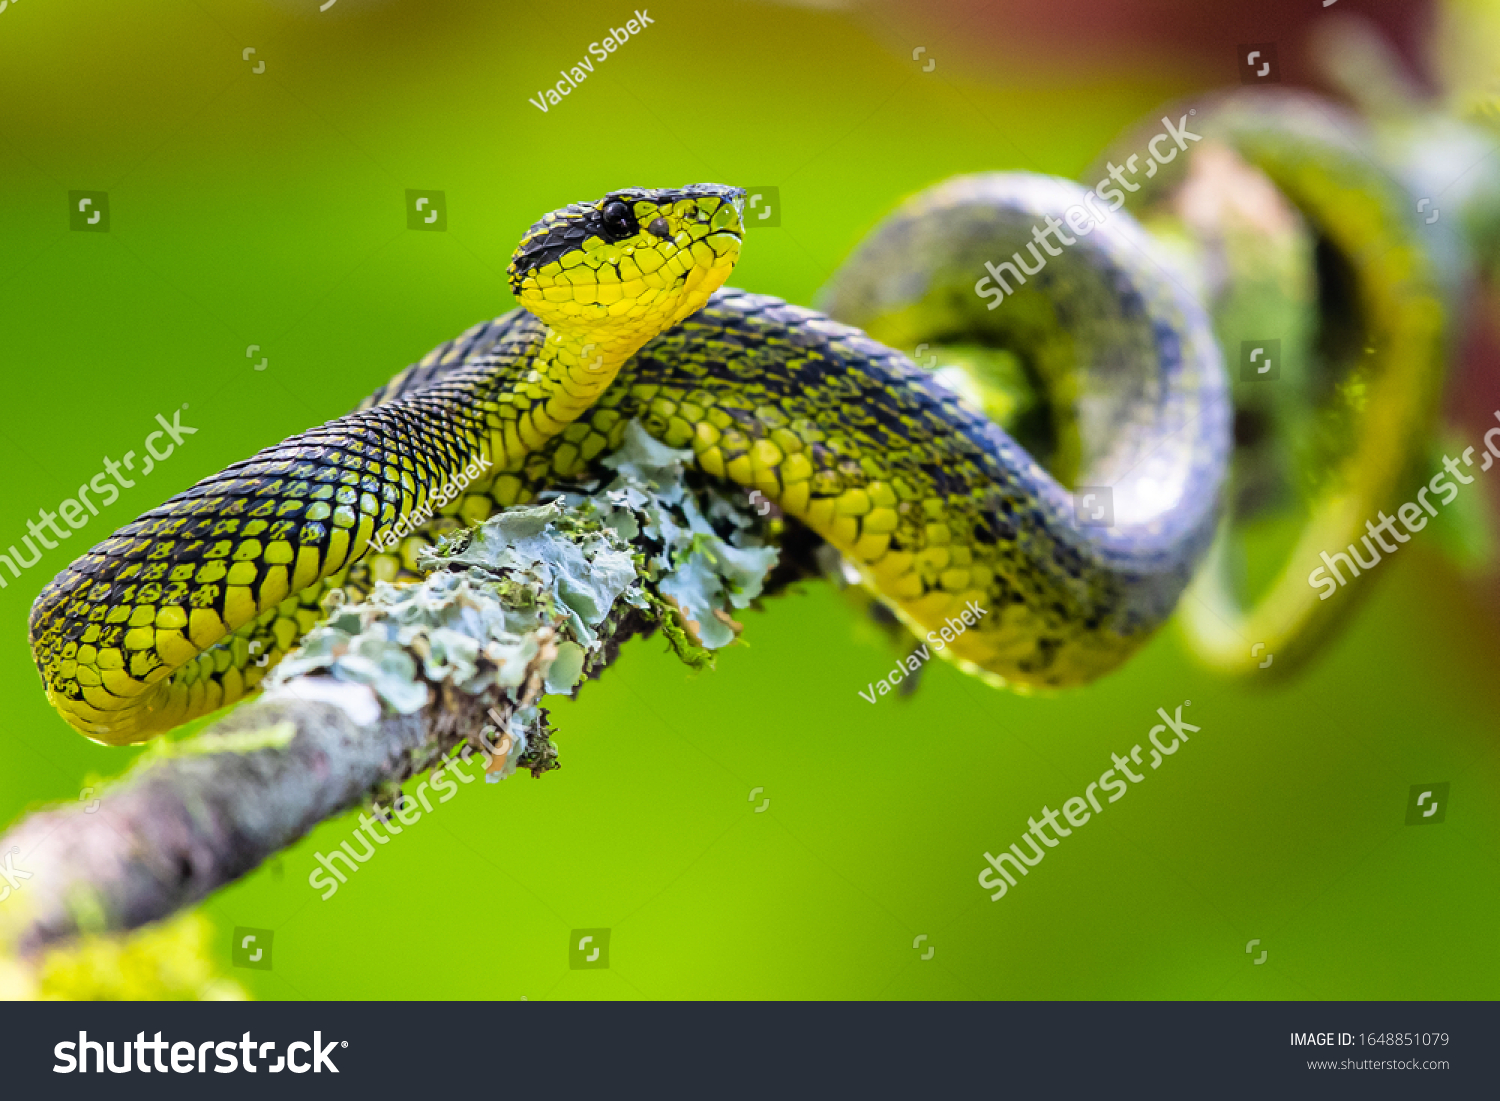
(175, 614)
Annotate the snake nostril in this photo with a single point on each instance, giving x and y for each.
(659, 227)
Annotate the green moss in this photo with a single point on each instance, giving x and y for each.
(169, 960)
(275, 736)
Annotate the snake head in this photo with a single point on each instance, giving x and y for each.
(625, 267)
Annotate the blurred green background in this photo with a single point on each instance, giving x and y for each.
(267, 209)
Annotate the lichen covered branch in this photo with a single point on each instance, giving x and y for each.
(533, 601)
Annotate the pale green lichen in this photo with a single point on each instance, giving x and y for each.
(581, 575)
(700, 569)
(530, 593)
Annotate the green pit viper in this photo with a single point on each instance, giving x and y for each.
(623, 317)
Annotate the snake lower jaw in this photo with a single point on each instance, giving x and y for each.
(147, 717)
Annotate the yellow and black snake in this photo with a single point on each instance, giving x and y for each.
(622, 318)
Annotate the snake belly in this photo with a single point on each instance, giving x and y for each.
(938, 507)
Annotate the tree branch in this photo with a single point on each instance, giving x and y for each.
(533, 600)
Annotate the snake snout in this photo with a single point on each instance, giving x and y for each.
(727, 216)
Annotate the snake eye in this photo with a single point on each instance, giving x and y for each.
(619, 222)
